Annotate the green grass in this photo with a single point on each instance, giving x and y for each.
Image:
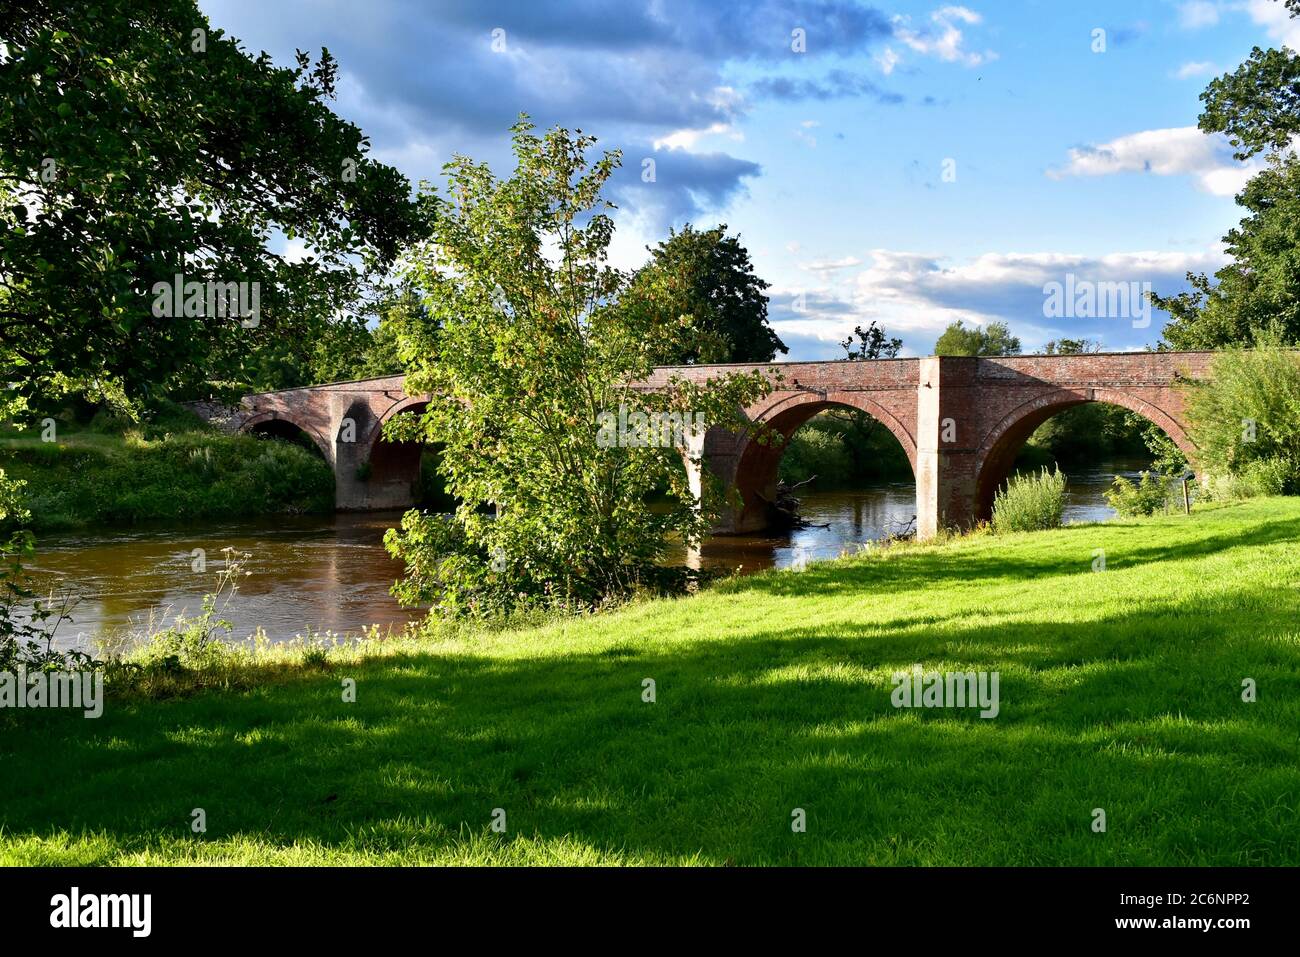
(94, 477)
(1119, 689)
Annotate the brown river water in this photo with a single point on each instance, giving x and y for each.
(330, 573)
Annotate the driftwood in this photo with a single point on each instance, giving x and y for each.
(783, 511)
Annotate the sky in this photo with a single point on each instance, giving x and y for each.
(909, 163)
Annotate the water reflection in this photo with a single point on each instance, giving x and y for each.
(320, 573)
(332, 573)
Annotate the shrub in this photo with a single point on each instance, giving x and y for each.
(816, 452)
(1030, 502)
(1270, 476)
(842, 446)
(1150, 494)
(1246, 421)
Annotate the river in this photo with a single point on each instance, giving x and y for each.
(331, 573)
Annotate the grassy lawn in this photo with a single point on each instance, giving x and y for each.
(1120, 690)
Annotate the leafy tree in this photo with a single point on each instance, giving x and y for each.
(1260, 286)
(995, 339)
(1258, 107)
(707, 276)
(532, 367)
(872, 343)
(1258, 104)
(353, 349)
(842, 448)
(137, 142)
(1071, 347)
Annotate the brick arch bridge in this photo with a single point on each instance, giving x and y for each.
(960, 421)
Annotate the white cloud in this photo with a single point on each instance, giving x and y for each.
(887, 60)
(831, 265)
(1195, 68)
(1276, 21)
(1178, 151)
(295, 251)
(943, 38)
(1198, 13)
(916, 295)
(686, 139)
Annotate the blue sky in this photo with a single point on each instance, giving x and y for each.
(913, 164)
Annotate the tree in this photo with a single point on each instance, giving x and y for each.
(1260, 287)
(353, 348)
(1258, 107)
(1071, 347)
(872, 343)
(707, 276)
(139, 144)
(536, 379)
(995, 339)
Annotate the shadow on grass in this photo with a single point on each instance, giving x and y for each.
(1124, 712)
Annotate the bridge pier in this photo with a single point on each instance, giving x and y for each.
(946, 470)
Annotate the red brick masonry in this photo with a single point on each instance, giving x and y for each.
(960, 420)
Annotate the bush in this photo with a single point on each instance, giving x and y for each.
(1150, 494)
(1030, 502)
(1271, 476)
(1246, 421)
(842, 447)
(816, 452)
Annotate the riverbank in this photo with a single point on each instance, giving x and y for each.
(133, 475)
(1119, 689)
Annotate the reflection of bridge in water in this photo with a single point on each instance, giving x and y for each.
(960, 420)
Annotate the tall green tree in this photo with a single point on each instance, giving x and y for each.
(538, 392)
(1257, 107)
(700, 285)
(138, 142)
(995, 339)
(1260, 286)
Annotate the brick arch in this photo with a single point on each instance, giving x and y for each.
(394, 465)
(250, 426)
(757, 463)
(997, 453)
(402, 405)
